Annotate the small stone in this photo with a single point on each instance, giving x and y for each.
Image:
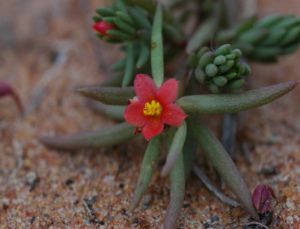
(32, 179)
(290, 204)
(147, 201)
(290, 219)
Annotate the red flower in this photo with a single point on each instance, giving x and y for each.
(153, 107)
(102, 27)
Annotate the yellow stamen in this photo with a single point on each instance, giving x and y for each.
(152, 108)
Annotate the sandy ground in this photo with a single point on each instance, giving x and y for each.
(47, 49)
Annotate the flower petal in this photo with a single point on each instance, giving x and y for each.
(153, 128)
(145, 87)
(168, 92)
(173, 115)
(134, 114)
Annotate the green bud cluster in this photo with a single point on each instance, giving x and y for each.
(266, 39)
(221, 69)
(131, 22)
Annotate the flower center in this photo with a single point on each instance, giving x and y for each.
(152, 108)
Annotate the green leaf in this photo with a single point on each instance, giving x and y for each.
(115, 33)
(112, 81)
(140, 18)
(129, 69)
(120, 4)
(149, 162)
(108, 95)
(177, 182)
(143, 57)
(157, 54)
(119, 66)
(189, 155)
(124, 26)
(266, 53)
(125, 17)
(231, 103)
(292, 35)
(269, 21)
(104, 137)
(115, 112)
(222, 162)
(106, 12)
(175, 149)
(205, 31)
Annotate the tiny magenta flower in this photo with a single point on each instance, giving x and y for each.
(102, 27)
(154, 107)
(262, 198)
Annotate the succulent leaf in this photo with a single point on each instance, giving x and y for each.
(149, 162)
(222, 162)
(108, 95)
(115, 112)
(270, 37)
(175, 149)
(177, 190)
(157, 55)
(231, 103)
(221, 69)
(110, 136)
(189, 156)
(205, 31)
(130, 65)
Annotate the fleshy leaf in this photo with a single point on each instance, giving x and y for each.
(175, 149)
(157, 55)
(113, 81)
(103, 137)
(189, 155)
(177, 190)
(115, 112)
(231, 103)
(108, 95)
(205, 31)
(222, 162)
(129, 67)
(149, 162)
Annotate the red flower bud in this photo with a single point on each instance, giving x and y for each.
(262, 198)
(6, 90)
(102, 27)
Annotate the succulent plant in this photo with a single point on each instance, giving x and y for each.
(168, 110)
(266, 39)
(221, 69)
